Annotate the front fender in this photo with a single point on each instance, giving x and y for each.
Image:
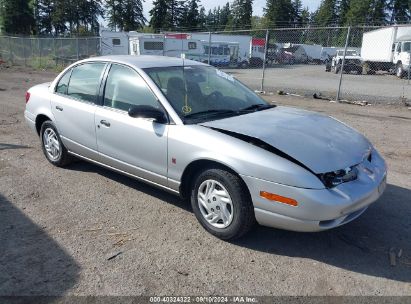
(189, 143)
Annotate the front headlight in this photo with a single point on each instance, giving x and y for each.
(335, 178)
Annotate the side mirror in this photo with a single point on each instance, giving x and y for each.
(147, 112)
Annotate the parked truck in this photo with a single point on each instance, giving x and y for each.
(387, 49)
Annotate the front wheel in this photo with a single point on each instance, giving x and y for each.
(222, 204)
(399, 70)
(54, 150)
(337, 69)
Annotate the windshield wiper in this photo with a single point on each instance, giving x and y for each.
(210, 113)
(257, 107)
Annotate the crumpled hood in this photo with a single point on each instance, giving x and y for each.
(320, 142)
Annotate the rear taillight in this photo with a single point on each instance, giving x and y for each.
(27, 96)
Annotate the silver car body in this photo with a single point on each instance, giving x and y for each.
(302, 144)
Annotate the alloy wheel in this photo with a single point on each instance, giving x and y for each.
(215, 203)
(51, 144)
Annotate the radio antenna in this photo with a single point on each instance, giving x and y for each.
(186, 108)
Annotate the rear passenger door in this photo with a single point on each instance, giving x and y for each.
(74, 105)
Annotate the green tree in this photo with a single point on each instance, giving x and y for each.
(242, 11)
(113, 14)
(132, 17)
(192, 14)
(17, 17)
(343, 7)
(326, 14)
(400, 11)
(305, 17)
(225, 15)
(43, 14)
(278, 13)
(377, 12)
(297, 8)
(202, 18)
(159, 14)
(358, 12)
(1, 15)
(167, 14)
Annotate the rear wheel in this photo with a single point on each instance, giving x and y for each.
(54, 150)
(222, 204)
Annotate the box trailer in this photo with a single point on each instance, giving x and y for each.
(387, 49)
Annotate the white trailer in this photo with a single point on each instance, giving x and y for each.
(249, 49)
(113, 43)
(387, 49)
(238, 50)
(220, 54)
(313, 52)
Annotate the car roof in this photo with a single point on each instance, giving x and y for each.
(145, 61)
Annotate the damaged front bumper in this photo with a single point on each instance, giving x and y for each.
(319, 209)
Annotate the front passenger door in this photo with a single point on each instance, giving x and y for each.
(134, 145)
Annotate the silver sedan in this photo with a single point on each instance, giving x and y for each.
(196, 131)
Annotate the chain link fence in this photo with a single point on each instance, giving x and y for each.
(369, 64)
(47, 52)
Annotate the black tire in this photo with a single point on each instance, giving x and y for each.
(243, 65)
(243, 217)
(367, 69)
(64, 158)
(337, 69)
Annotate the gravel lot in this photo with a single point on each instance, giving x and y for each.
(310, 79)
(59, 227)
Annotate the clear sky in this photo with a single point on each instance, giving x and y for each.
(257, 5)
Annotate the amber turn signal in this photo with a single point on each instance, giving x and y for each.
(279, 198)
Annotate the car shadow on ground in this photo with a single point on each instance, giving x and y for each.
(361, 246)
(132, 183)
(31, 262)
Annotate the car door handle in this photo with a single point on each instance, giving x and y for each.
(58, 108)
(105, 122)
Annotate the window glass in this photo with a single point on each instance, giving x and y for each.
(193, 89)
(85, 80)
(61, 87)
(192, 45)
(153, 45)
(125, 88)
(116, 41)
(399, 47)
(406, 46)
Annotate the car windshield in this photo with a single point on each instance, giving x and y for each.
(202, 93)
